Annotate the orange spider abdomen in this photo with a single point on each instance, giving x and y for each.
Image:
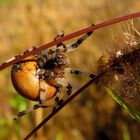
(26, 81)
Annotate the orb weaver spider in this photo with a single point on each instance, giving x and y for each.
(41, 77)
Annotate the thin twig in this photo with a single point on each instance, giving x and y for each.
(72, 35)
(65, 102)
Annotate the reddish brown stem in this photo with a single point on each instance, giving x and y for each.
(72, 35)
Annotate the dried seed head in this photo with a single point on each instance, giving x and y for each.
(122, 63)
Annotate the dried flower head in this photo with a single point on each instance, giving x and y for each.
(122, 63)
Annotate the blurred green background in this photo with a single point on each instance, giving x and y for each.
(94, 115)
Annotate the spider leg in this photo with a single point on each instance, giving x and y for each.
(63, 48)
(58, 88)
(67, 85)
(34, 107)
(42, 91)
(75, 45)
(79, 72)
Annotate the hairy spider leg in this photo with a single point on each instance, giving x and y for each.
(34, 107)
(68, 86)
(42, 91)
(62, 81)
(63, 48)
(79, 72)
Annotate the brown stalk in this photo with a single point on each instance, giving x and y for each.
(72, 35)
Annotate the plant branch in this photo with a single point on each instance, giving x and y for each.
(67, 37)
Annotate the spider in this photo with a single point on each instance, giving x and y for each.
(41, 77)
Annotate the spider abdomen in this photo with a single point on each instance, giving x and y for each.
(27, 83)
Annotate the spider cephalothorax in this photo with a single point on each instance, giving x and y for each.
(52, 66)
(41, 77)
(57, 61)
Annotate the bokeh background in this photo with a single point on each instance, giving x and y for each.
(94, 115)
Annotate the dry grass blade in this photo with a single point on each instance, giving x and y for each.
(72, 35)
(65, 103)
